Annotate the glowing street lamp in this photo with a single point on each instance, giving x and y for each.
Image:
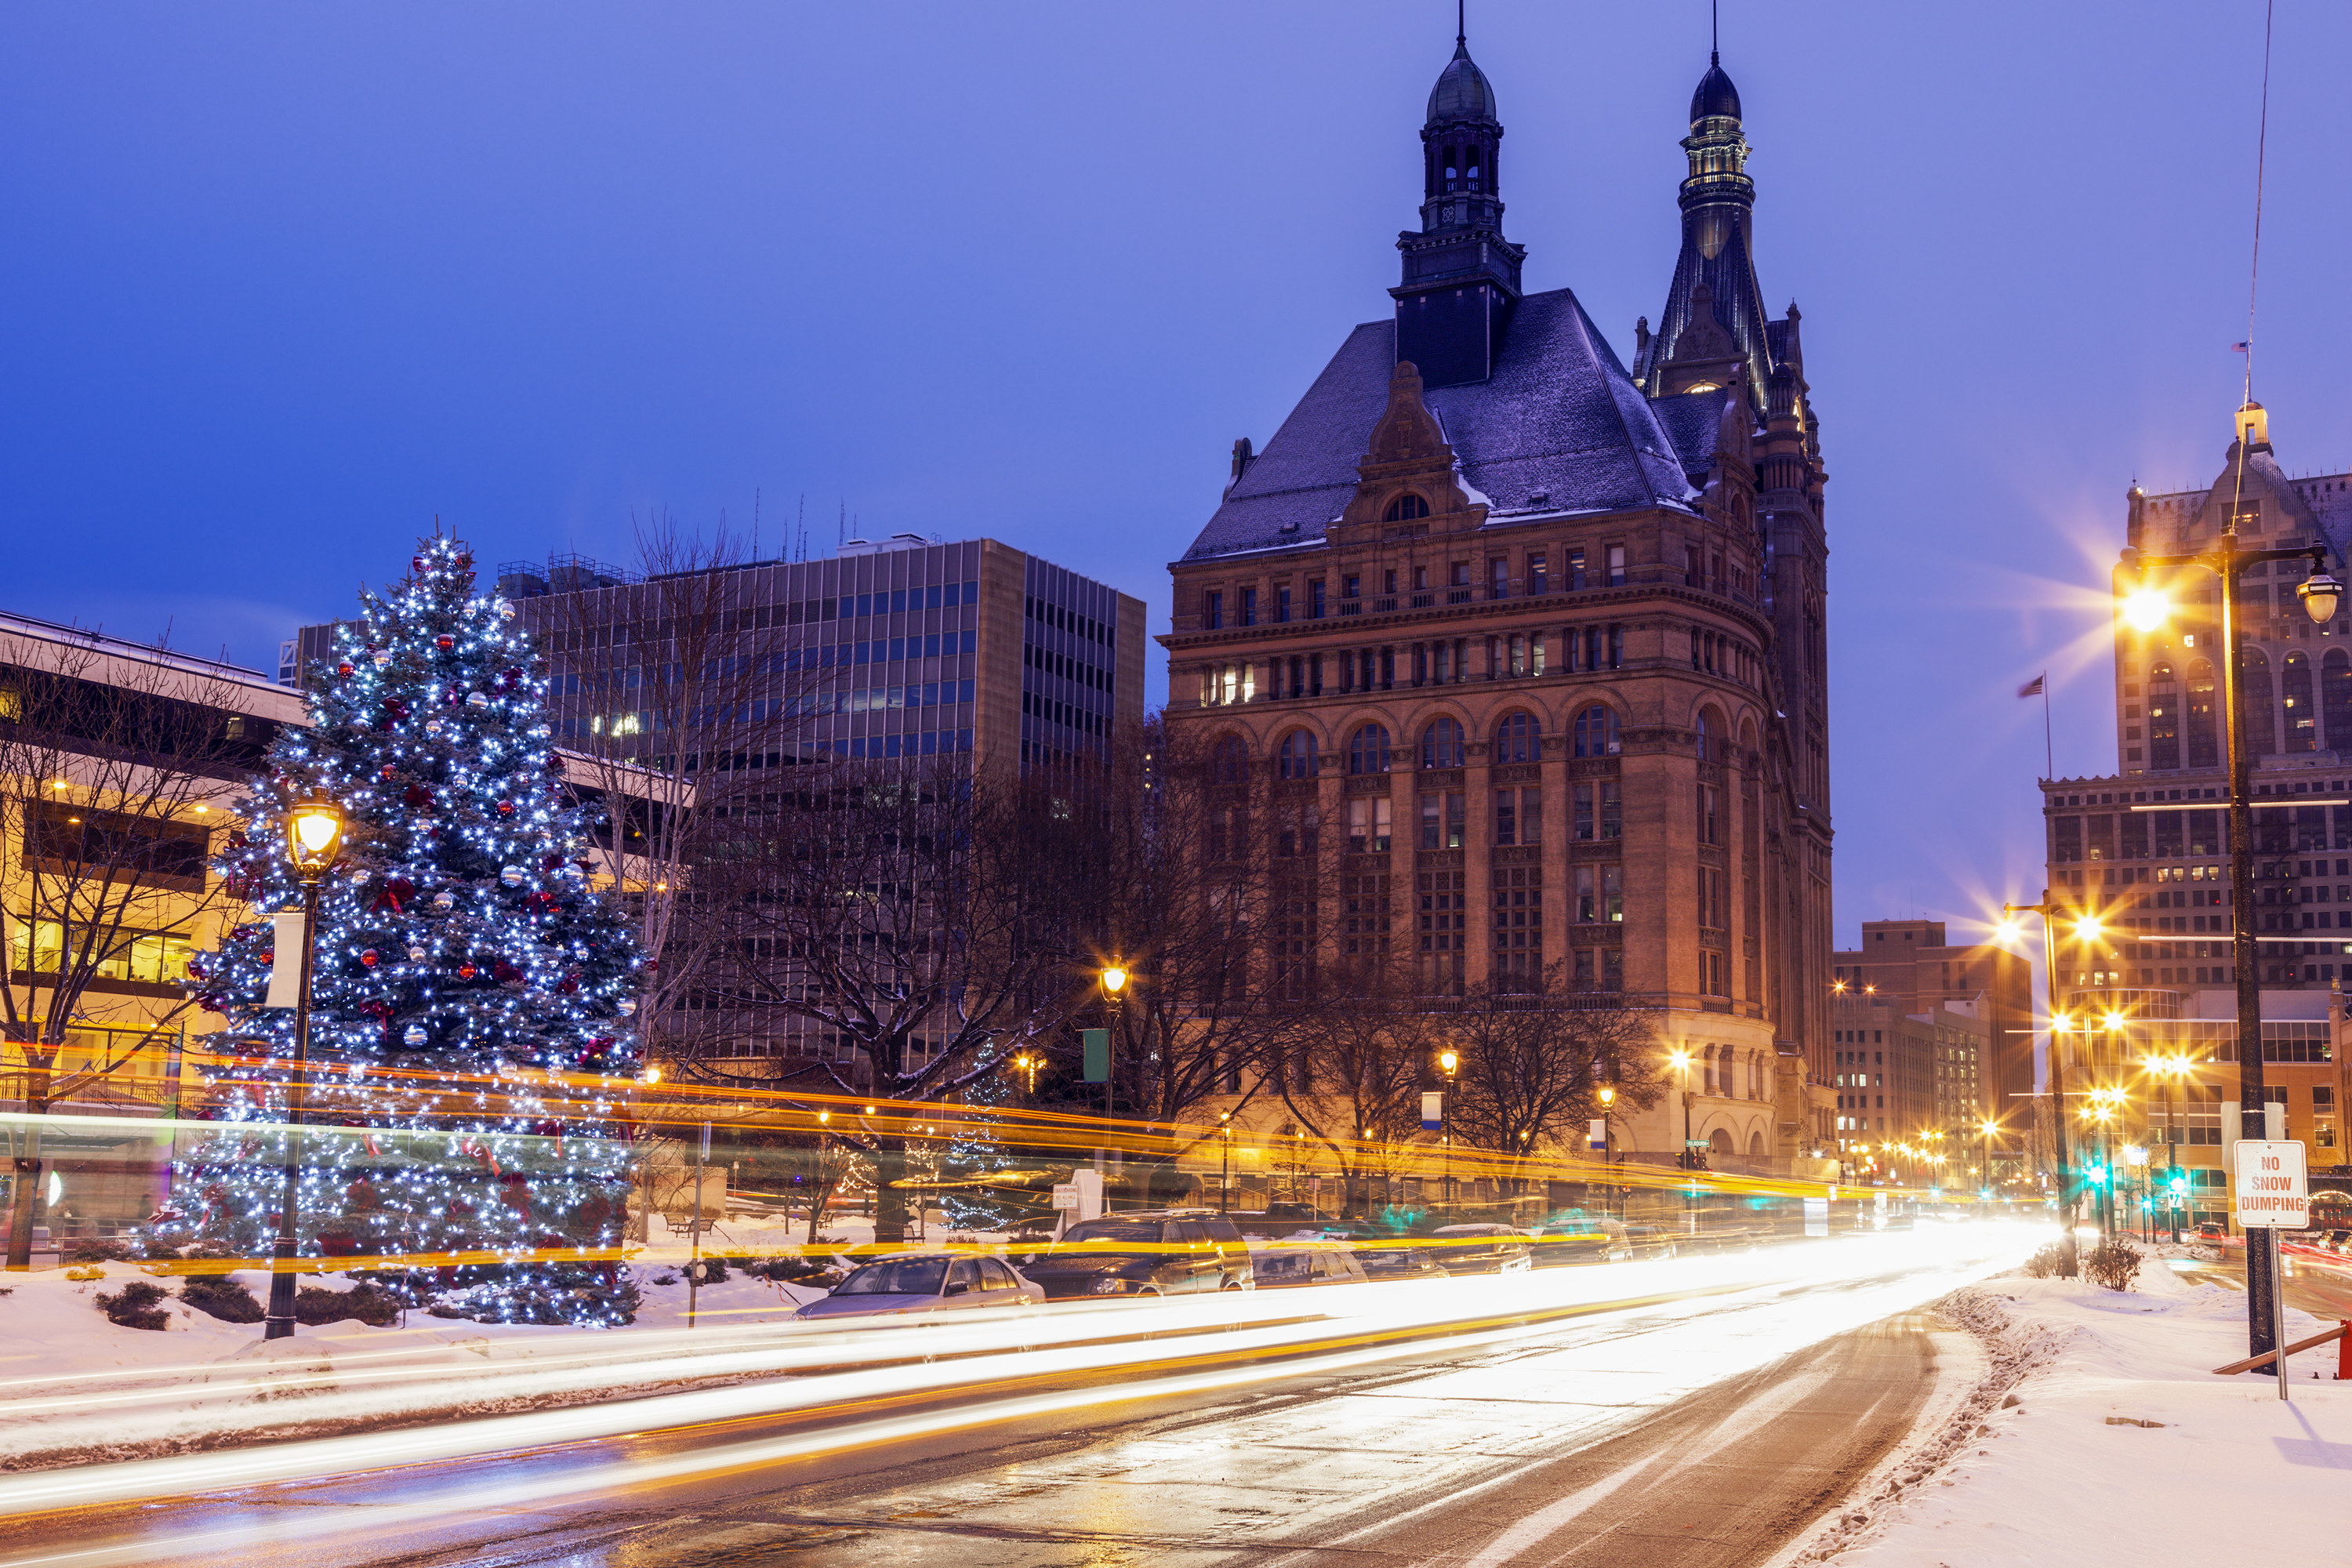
(1680, 1060)
(2321, 594)
(314, 832)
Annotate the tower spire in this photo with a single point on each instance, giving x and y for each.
(1461, 276)
(1713, 325)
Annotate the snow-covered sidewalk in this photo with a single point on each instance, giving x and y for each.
(2100, 1435)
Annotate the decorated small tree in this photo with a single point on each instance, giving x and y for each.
(470, 1043)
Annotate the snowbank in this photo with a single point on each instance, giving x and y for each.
(2099, 1434)
(75, 1386)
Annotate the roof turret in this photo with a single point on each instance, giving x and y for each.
(1462, 93)
(1716, 96)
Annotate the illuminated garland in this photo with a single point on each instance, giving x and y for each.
(460, 945)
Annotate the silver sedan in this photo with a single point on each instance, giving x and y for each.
(925, 1282)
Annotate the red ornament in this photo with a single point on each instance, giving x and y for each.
(444, 641)
(506, 808)
(369, 957)
(466, 971)
(345, 669)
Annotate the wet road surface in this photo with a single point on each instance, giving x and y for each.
(1668, 1434)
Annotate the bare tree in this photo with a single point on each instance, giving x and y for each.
(1532, 1058)
(893, 910)
(1354, 1064)
(684, 695)
(117, 765)
(1168, 879)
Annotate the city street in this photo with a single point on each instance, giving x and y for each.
(1708, 1430)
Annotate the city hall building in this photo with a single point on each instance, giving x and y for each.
(1536, 640)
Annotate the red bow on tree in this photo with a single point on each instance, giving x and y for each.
(393, 895)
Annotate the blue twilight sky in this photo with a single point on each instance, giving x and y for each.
(280, 283)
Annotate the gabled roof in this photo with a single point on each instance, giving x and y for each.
(1559, 417)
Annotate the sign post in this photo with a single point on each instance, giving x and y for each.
(2274, 1194)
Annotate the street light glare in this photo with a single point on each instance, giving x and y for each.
(2090, 928)
(2146, 609)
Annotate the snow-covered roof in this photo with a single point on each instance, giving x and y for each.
(1559, 418)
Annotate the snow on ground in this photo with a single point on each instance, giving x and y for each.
(74, 1385)
(2100, 1435)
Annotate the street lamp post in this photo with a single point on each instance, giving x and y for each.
(1607, 1096)
(314, 831)
(2171, 1071)
(1987, 1129)
(1114, 989)
(2148, 607)
(1448, 1063)
(2085, 929)
(1225, 1167)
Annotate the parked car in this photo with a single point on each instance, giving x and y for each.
(1650, 1241)
(1578, 1238)
(1284, 1265)
(1396, 1258)
(1480, 1249)
(1161, 1252)
(924, 1282)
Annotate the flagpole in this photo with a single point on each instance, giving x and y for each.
(2049, 758)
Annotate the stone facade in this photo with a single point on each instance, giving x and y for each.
(1542, 656)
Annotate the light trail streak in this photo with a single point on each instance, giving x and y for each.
(1227, 1342)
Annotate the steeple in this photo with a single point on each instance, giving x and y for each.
(1461, 276)
(1717, 200)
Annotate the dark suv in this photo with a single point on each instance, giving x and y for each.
(1156, 1252)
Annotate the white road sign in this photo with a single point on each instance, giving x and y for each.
(1065, 1194)
(2272, 1189)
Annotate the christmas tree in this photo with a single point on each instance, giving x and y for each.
(469, 1049)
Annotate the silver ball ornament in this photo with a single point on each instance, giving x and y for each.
(414, 1034)
(511, 875)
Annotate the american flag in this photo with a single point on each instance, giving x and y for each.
(2034, 687)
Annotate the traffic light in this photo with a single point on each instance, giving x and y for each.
(2178, 1184)
(2096, 1174)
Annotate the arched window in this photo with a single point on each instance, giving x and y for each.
(1367, 752)
(2295, 704)
(2163, 718)
(2262, 721)
(1440, 744)
(1596, 731)
(1710, 728)
(1756, 1142)
(2335, 698)
(1297, 758)
(1516, 740)
(1406, 508)
(1228, 761)
(2202, 710)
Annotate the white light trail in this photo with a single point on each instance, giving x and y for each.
(1203, 1343)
